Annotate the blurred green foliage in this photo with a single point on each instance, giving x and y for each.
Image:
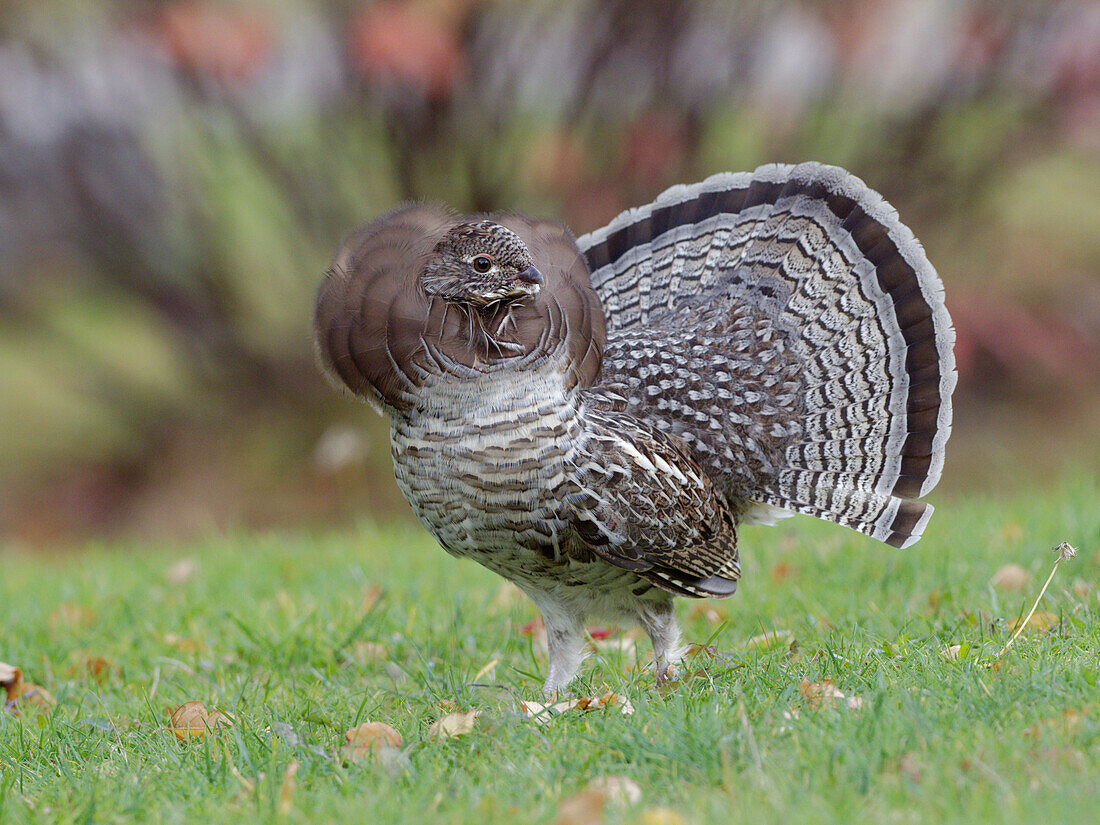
(175, 175)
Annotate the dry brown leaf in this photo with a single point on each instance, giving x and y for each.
(89, 664)
(453, 724)
(369, 739)
(770, 638)
(182, 571)
(826, 694)
(20, 695)
(615, 700)
(1039, 620)
(364, 652)
(582, 808)
(618, 790)
(782, 570)
(70, 615)
(184, 644)
(486, 670)
(935, 599)
(1011, 577)
(541, 713)
(288, 787)
(192, 720)
(370, 598)
(909, 767)
(661, 816)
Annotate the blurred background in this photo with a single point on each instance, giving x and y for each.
(174, 177)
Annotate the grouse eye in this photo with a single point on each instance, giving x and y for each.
(482, 263)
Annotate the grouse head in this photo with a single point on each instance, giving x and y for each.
(422, 293)
(481, 263)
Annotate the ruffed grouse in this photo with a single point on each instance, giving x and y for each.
(593, 418)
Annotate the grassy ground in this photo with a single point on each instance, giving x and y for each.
(291, 635)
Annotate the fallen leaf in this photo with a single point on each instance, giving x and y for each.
(95, 666)
(1010, 532)
(1039, 620)
(618, 790)
(20, 695)
(616, 700)
(369, 739)
(69, 614)
(370, 598)
(182, 571)
(909, 767)
(184, 644)
(364, 652)
(582, 808)
(703, 652)
(661, 816)
(935, 599)
(542, 713)
(770, 638)
(1010, 577)
(826, 694)
(453, 724)
(192, 720)
(782, 570)
(486, 670)
(288, 787)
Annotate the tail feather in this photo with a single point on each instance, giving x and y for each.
(828, 258)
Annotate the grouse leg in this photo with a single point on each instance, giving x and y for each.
(566, 644)
(660, 623)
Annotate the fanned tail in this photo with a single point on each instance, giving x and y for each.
(812, 247)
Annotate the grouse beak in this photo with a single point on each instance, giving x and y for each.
(531, 276)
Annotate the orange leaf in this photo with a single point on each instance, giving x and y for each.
(23, 695)
(192, 720)
(369, 739)
(583, 808)
(1039, 620)
(1010, 577)
(826, 694)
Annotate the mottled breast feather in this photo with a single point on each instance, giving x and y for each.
(381, 336)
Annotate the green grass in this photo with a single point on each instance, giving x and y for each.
(272, 628)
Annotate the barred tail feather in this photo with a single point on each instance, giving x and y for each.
(826, 256)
